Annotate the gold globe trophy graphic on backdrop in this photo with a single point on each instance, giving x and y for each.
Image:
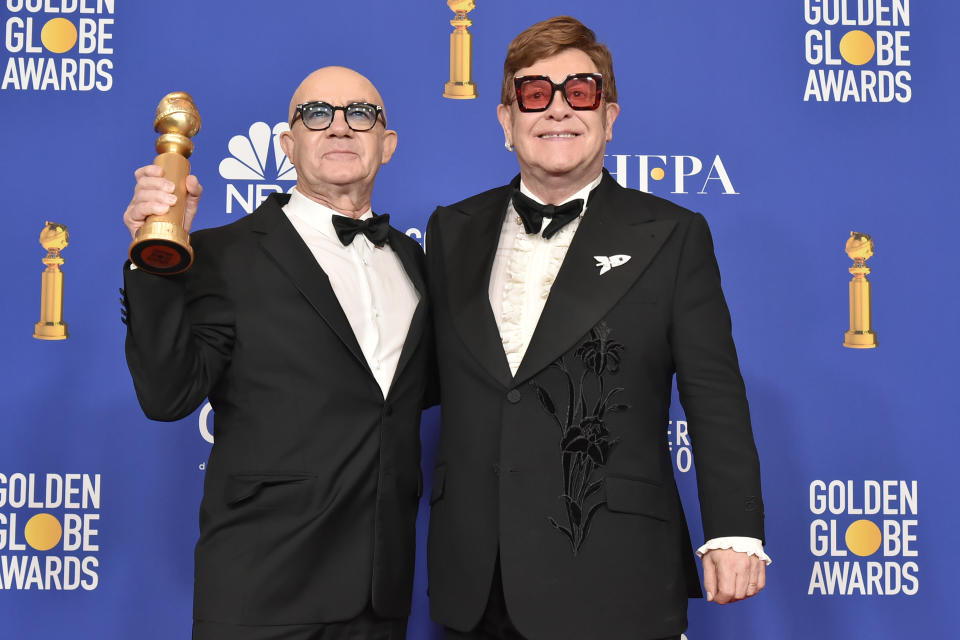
(162, 245)
(460, 87)
(54, 238)
(861, 335)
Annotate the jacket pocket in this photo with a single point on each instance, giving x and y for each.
(439, 482)
(270, 490)
(633, 495)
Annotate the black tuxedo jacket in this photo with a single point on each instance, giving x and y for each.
(311, 490)
(564, 468)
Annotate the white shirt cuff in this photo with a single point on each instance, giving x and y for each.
(750, 546)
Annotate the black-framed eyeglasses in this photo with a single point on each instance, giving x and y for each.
(582, 91)
(317, 116)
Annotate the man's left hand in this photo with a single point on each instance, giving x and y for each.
(730, 576)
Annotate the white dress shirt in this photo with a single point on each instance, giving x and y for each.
(524, 269)
(371, 284)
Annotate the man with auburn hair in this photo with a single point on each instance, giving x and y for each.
(306, 325)
(563, 306)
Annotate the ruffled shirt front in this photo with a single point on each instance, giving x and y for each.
(524, 269)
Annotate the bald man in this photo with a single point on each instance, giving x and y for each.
(305, 324)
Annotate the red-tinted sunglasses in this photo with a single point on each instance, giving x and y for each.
(582, 91)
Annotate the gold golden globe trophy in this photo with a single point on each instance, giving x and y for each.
(162, 245)
(460, 87)
(54, 238)
(861, 335)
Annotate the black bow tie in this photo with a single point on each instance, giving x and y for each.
(376, 229)
(532, 213)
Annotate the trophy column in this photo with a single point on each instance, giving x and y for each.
(460, 87)
(861, 335)
(162, 245)
(54, 238)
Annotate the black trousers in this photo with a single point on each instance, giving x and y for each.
(495, 623)
(366, 626)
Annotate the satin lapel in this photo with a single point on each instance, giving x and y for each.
(405, 249)
(282, 242)
(581, 296)
(470, 238)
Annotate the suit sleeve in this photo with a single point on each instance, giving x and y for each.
(180, 334)
(713, 395)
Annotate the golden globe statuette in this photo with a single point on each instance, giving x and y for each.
(861, 335)
(460, 86)
(54, 238)
(162, 245)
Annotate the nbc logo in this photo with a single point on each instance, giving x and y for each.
(857, 51)
(255, 164)
(50, 52)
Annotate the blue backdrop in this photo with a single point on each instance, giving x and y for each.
(755, 113)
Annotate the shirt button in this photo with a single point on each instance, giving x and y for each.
(514, 396)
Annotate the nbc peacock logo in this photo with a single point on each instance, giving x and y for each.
(255, 165)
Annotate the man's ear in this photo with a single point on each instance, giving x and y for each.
(505, 116)
(389, 145)
(287, 143)
(610, 112)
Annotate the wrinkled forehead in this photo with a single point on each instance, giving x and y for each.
(336, 86)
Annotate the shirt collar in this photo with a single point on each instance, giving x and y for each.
(314, 215)
(583, 194)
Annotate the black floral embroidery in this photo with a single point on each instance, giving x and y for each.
(589, 437)
(600, 353)
(585, 441)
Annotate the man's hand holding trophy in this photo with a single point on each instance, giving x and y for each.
(165, 199)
